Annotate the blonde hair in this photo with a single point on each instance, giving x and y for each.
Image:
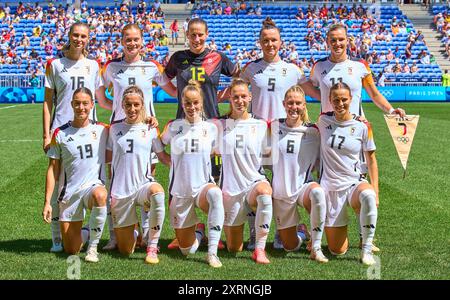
(132, 26)
(236, 82)
(135, 90)
(299, 90)
(192, 86)
(66, 47)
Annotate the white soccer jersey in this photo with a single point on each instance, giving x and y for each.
(81, 152)
(355, 73)
(243, 142)
(64, 76)
(340, 148)
(269, 82)
(191, 146)
(131, 145)
(118, 75)
(295, 152)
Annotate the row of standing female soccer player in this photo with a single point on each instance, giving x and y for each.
(198, 63)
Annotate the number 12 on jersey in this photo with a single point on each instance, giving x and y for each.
(198, 73)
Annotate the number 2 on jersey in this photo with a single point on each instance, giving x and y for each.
(198, 74)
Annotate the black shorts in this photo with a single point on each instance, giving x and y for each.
(216, 165)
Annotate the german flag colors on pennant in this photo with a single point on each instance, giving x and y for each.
(402, 131)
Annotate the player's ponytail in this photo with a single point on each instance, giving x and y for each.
(268, 23)
(297, 89)
(66, 47)
(135, 91)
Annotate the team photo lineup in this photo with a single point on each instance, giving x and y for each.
(242, 166)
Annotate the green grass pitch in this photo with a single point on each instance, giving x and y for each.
(413, 225)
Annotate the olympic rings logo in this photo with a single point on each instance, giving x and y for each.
(403, 139)
(387, 93)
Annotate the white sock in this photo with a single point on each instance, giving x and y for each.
(112, 235)
(145, 225)
(368, 218)
(251, 217)
(96, 224)
(156, 216)
(263, 219)
(216, 216)
(318, 214)
(54, 225)
(135, 234)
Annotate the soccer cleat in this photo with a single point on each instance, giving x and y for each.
(303, 233)
(152, 255)
(56, 247)
(259, 256)
(367, 258)
(221, 245)
(91, 255)
(374, 248)
(277, 243)
(318, 256)
(111, 245)
(213, 260)
(173, 245)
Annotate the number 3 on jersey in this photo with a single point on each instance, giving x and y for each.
(198, 74)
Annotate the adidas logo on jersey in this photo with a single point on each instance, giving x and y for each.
(259, 72)
(185, 62)
(280, 132)
(64, 70)
(324, 73)
(120, 72)
(180, 130)
(119, 133)
(70, 139)
(329, 127)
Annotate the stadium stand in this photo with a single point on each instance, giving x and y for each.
(387, 32)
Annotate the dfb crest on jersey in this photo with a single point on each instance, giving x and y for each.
(143, 133)
(352, 130)
(143, 70)
(94, 135)
(284, 72)
(350, 71)
(205, 132)
(88, 70)
(253, 129)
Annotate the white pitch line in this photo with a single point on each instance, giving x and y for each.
(8, 107)
(19, 141)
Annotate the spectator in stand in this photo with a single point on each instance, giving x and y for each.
(227, 10)
(424, 57)
(25, 40)
(213, 46)
(251, 10)
(163, 40)
(420, 37)
(390, 55)
(34, 54)
(34, 80)
(142, 6)
(432, 59)
(258, 10)
(397, 68)
(185, 27)
(159, 14)
(414, 68)
(174, 29)
(156, 4)
(406, 68)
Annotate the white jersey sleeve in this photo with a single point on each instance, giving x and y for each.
(295, 152)
(242, 145)
(341, 146)
(131, 162)
(81, 152)
(354, 73)
(118, 75)
(191, 146)
(269, 83)
(64, 76)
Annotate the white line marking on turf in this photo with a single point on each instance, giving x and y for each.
(8, 107)
(18, 141)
